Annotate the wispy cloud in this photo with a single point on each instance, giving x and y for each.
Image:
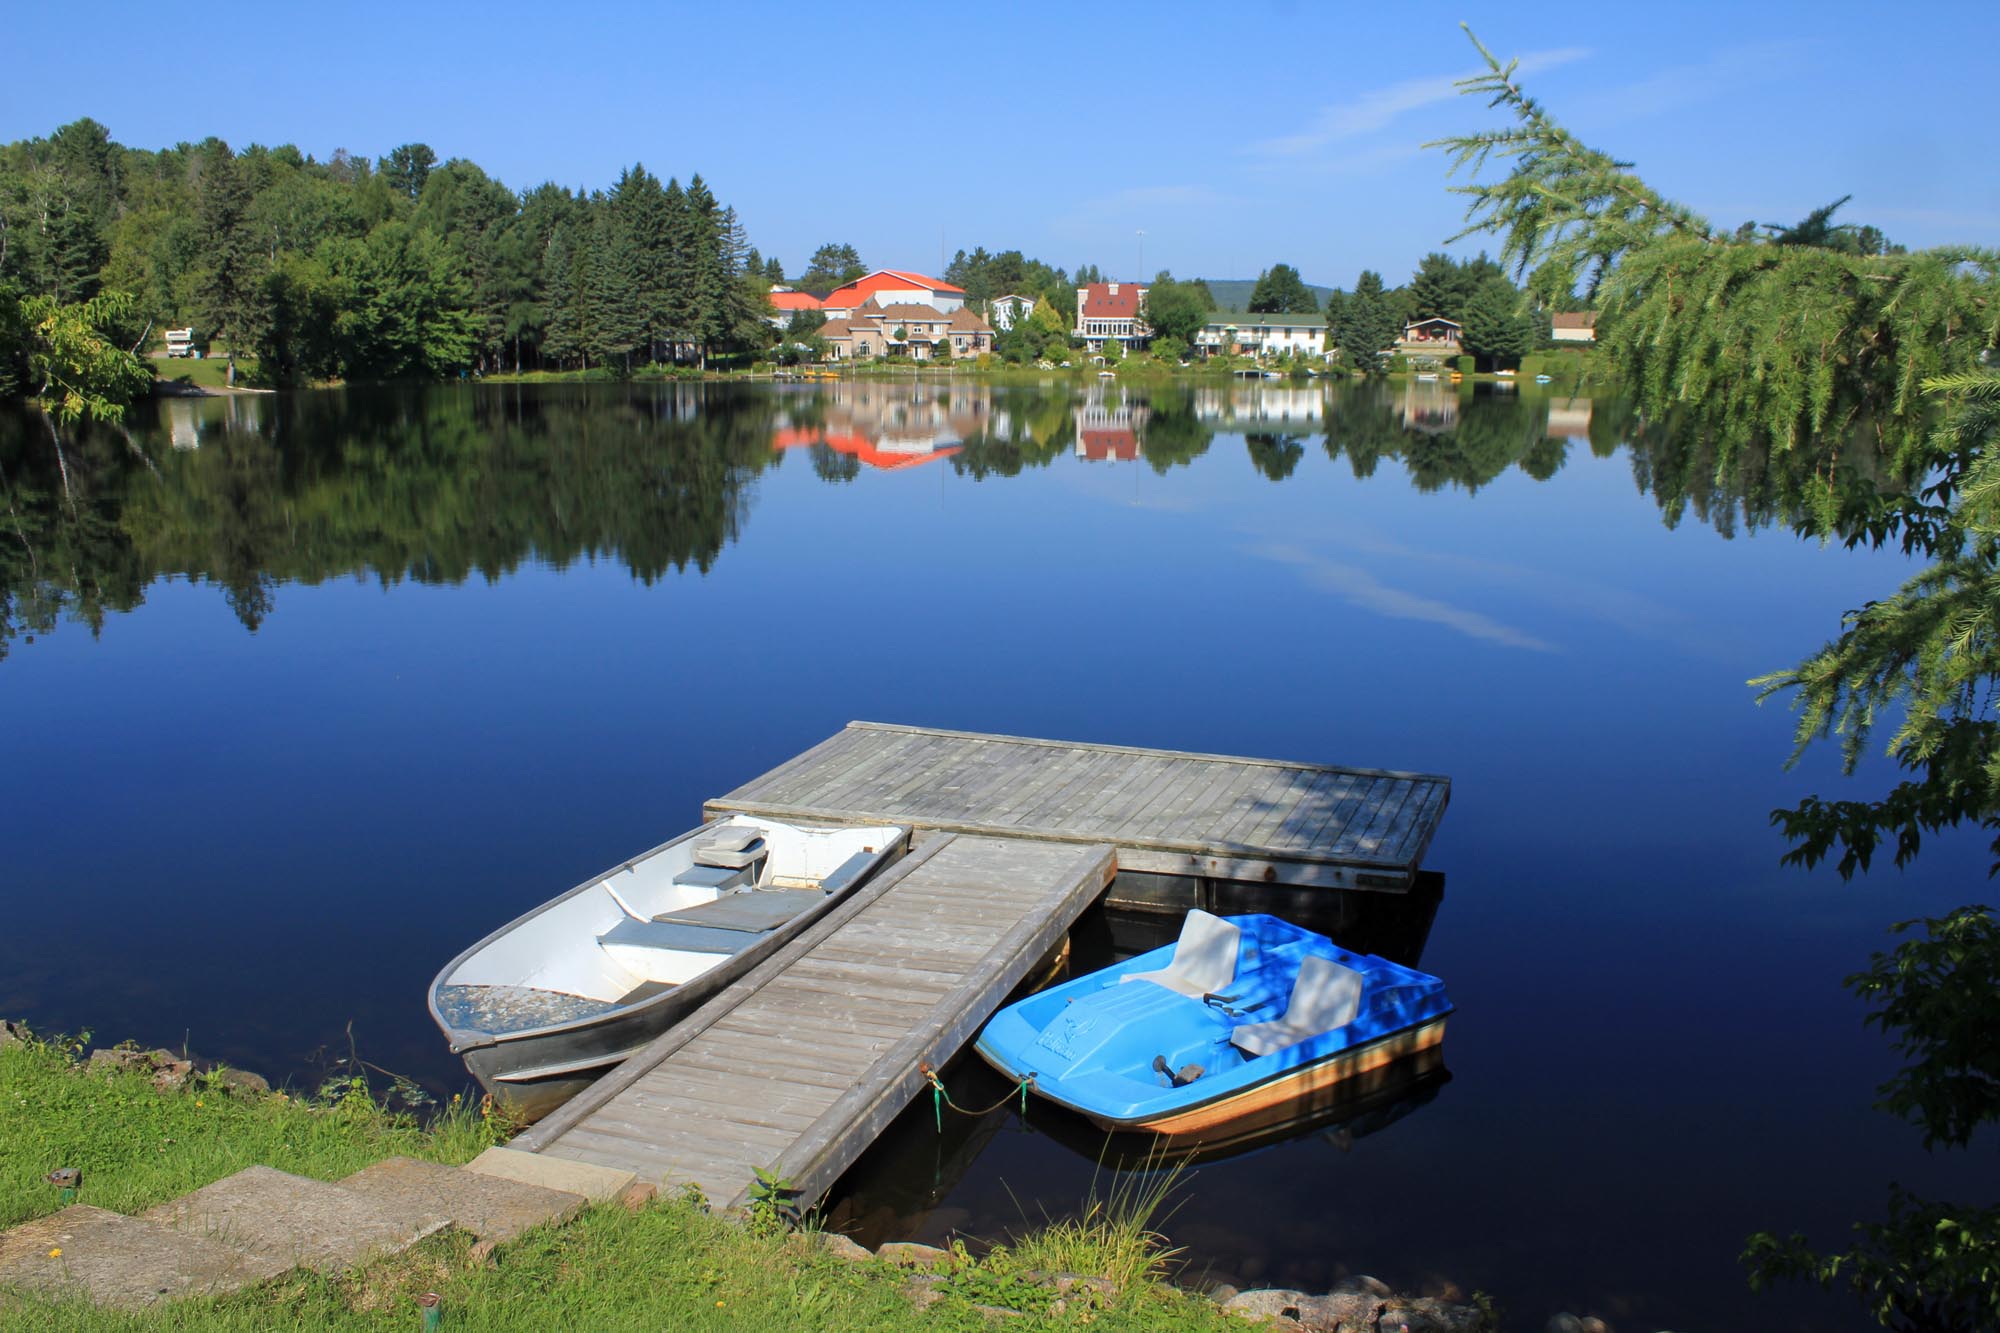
(1358, 587)
(1376, 109)
(1724, 74)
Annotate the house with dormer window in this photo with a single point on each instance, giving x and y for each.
(1112, 310)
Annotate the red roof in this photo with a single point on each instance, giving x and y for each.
(858, 447)
(885, 279)
(1100, 303)
(795, 301)
(1102, 445)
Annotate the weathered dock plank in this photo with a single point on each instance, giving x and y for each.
(1164, 811)
(798, 1066)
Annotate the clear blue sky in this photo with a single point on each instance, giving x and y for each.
(1234, 135)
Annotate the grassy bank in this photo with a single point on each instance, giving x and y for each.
(669, 1265)
(211, 372)
(137, 1146)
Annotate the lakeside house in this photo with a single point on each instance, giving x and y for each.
(1239, 333)
(892, 287)
(1002, 311)
(907, 329)
(1436, 336)
(789, 301)
(1112, 311)
(1577, 327)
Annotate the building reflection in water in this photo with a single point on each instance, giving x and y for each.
(1286, 411)
(1569, 419)
(1429, 406)
(1109, 424)
(887, 425)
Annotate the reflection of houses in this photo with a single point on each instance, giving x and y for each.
(183, 424)
(891, 426)
(1436, 336)
(1109, 428)
(1579, 327)
(1429, 407)
(1254, 407)
(1002, 311)
(892, 287)
(905, 329)
(1114, 310)
(1233, 334)
(1569, 418)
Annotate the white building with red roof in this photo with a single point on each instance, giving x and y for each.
(891, 287)
(1115, 310)
(786, 302)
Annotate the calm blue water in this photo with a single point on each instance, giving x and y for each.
(503, 638)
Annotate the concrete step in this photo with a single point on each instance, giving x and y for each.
(275, 1217)
(125, 1262)
(593, 1182)
(491, 1207)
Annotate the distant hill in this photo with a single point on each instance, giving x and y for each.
(1234, 293)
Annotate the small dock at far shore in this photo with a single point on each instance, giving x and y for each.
(796, 1068)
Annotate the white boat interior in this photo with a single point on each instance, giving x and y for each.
(655, 922)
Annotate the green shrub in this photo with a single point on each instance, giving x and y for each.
(1465, 365)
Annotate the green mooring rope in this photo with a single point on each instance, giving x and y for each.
(941, 1099)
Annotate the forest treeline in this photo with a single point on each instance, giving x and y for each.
(348, 268)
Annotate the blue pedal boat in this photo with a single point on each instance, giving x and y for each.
(1243, 1018)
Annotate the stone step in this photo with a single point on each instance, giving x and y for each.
(275, 1217)
(491, 1207)
(593, 1182)
(125, 1262)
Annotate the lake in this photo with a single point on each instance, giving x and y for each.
(301, 694)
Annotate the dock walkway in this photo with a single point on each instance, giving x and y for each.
(797, 1067)
(1165, 812)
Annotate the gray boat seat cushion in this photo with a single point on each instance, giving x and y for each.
(678, 937)
(1204, 961)
(1327, 995)
(766, 909)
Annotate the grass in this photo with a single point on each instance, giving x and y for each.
(670, 1265)
(137, 1147)
(211, 372)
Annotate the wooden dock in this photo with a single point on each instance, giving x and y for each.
(797, 1067)
(1211, 817)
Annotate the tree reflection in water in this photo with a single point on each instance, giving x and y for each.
(436, 485)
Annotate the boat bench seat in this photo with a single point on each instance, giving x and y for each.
(846, 872)
(678, 937)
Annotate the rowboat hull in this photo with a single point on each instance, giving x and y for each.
(547, 1004)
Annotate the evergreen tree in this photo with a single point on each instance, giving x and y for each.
(1368, 323)
(406, 169)
(832, 265)
(564, 268)
(231, 278)
(1281, 291)
(1495, 323)
(612, 288)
